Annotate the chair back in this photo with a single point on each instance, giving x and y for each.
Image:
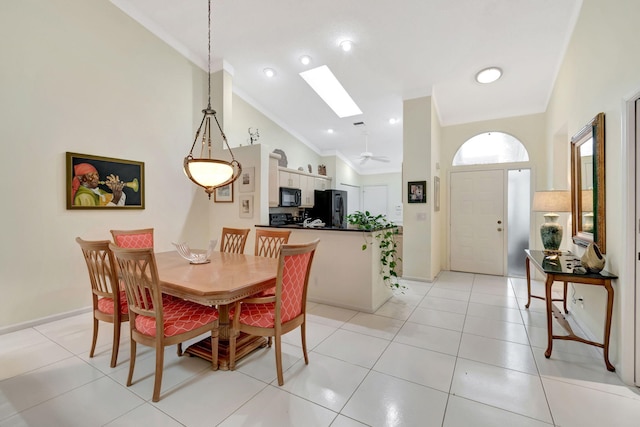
(233, 240)
(268, 242)
(141, 238)
(293, 279)
(102, 270)
(140, 276)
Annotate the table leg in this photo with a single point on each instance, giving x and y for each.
(547, 288)
(528, 268)
(564, 297)
(607, 326)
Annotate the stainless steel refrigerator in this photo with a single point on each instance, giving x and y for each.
(330, 206)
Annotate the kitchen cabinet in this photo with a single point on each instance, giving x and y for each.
(289, 179)
(273, 180)
(306, 182)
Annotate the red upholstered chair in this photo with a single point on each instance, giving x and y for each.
(233, 240)
(268, 243)
(109, 302)
(157, 320)
(279, 314)
(142, 238)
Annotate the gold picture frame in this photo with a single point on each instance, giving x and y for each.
(224, 194)
(96, 182)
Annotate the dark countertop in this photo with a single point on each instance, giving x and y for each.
(300, 227)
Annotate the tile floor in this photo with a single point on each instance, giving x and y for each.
(461, 351)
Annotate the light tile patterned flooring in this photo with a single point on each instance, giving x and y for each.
(459, 352)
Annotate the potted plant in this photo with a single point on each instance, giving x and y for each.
(384, 231)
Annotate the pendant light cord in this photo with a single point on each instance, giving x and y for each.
(209, 58)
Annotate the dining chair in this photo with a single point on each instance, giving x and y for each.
(268, 242)
(141, 238)
(108, 300)
(233, 240)
(157, 320)
(281, 313)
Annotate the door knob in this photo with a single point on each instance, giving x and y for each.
(499, 228)
(499, 222)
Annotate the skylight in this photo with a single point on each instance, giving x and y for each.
(322, 80)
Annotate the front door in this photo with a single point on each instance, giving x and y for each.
(477, 222)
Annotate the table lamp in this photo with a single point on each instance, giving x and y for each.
(551, 202)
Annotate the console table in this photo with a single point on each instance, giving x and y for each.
(560, 268)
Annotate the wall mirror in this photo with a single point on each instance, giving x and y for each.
(587, 184)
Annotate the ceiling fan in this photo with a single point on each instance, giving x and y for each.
(367, 155)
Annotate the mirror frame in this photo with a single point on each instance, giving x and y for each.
(594, 130)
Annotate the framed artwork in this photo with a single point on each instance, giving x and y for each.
(417, 192)
(246, 206)
(95, 182)
(224, 194)
(436, 193)
(247, 180)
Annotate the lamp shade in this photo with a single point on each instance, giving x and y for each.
(552, 201)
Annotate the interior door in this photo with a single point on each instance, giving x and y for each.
(477, 222)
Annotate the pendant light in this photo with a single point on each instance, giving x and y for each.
(206, 171)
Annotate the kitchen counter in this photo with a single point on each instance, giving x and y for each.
(300, 227)
(342, 274)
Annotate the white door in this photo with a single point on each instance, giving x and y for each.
(374, 199)
(477, 222)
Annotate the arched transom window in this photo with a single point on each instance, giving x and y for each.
(491, 147)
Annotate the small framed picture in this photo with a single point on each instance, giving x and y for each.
(436, 193)
(246, 206)
(417, 192)
(224, 194)
(95, 182)
(247, 180)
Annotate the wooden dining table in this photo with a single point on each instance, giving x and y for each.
(221, 282)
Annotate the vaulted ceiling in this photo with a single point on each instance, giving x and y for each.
(401, 50)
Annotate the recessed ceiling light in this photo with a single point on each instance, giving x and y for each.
(488, 75)
(346, 45)
(393, 121)
(269, 72)
(305, 59)
(329, 130)
(327, 86)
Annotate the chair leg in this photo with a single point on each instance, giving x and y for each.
(214, 348)
(95, 337)
(158, 381)
(132, 362)
(116, 342)
(269, 341)
(303, 332)
(279, 359)
(179, 349)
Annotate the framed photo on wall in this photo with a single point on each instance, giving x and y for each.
(246, 206)
(417, 192)
(95, 182)
(247, 180)
(224, 194)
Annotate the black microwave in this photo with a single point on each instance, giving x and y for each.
(290, 197)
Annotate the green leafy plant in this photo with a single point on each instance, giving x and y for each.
(384, 231)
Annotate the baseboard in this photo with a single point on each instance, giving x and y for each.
(42, 320)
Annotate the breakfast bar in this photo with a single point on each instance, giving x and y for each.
(343, 274)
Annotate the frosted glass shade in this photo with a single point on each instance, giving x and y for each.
(208, 172)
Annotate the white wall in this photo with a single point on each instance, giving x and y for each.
(81, 76)
(601, 69)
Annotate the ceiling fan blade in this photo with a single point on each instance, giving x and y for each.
(380, 159)
(363, 160)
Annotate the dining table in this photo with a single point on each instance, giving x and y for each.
(223, 280)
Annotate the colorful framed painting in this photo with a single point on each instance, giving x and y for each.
(95, 182)
(417, 192)
(224, 194)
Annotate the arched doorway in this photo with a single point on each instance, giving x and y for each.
(490, 186)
